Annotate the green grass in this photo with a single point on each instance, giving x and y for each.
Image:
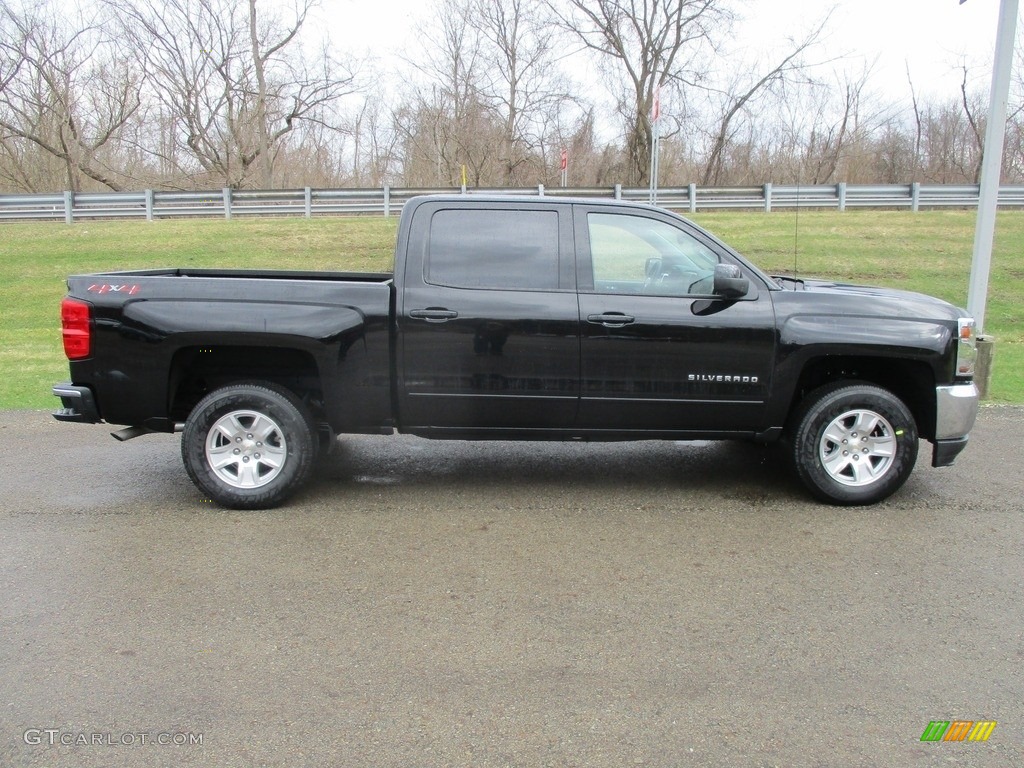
(928, 251)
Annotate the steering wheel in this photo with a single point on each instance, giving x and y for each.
(673, 276)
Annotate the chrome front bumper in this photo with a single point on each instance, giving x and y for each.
(956, 408)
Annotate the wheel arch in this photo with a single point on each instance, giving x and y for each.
(912, 381)
(196, 371)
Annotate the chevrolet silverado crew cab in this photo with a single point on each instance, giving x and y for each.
(528, 319)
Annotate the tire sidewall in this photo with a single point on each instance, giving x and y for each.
(823, 406)
(277, 404)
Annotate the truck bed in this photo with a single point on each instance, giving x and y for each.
(170, 334)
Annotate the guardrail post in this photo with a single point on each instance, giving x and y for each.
(983, 369)
(149, 205)
(618, 191)
(841, 193)
(387, 201)
(691, 192)
(69, 207)
(768, 198)
(225, 194)
(308, 201)
(915, 196)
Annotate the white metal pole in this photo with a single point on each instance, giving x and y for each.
(992, 161)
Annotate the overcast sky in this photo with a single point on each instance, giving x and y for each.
(929, 36)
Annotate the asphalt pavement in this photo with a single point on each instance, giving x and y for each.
(505, 604)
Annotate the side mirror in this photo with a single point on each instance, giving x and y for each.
(730, 282)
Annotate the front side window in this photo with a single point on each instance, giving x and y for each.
(507, 249)
(634, 254)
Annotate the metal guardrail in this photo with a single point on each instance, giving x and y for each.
(227, 203)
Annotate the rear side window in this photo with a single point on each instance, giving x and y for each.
(515, 250)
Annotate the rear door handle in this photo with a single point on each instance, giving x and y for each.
(433, 315)
(611, 319)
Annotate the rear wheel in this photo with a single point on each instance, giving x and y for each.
(854, 443)
(249, 446)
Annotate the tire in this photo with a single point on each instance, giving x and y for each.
(249, 445)
(854, 443)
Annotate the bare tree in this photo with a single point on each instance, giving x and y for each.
(744, 90)
(976, 128)
(259, 64)
(186, 93)
(892, 149)
(825, 127)
(446, 124)
(918, 125)
(652, 43)
(375, 155)
(234, 81)
(523, 85)
(65, 93)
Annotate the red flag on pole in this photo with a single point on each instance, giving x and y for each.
(656, 109)
(565, 159)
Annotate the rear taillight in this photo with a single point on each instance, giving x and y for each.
(76, 328)
(966, 347)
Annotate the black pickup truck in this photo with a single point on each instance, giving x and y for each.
(528, 319)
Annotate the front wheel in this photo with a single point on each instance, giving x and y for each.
(854, 443)
(248, 446)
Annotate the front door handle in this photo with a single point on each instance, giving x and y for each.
(611, 319)
(433, 315)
